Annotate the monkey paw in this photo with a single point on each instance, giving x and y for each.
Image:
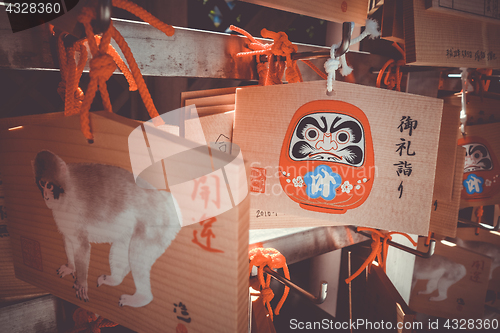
(437, 298)
(81, 291)
(65, 270)
(136, 300)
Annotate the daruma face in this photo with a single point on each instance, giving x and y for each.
(481, 170)
(326, 161)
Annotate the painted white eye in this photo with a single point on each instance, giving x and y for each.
(312, 134)
(343, 136)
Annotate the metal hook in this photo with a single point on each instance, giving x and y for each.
(346, 39)
(317, 300)
(344, 46)
(471, 224)
(428, 254)
(103, 19)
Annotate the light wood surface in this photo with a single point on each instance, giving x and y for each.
(330, 10)
(264, 113)
(434, 38)
(391, 27)
(484, 10)
(212, 285)
(465, 298)
(385, 303)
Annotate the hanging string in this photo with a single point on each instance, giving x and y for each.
(102, 65)
(392, 80)
(334, 63)
(479, 215)
(276, 67)
(68, 88)
(121, 65)
(380, 247)
(272, 258)
(88, 322)
(428, 239)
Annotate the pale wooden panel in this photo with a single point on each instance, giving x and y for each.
(445, 165)
(385, 303)
(391, 27)
(212, 285)
(465, 297)
(444, 213)
(37, 315)
(468, 9)
(479, 109)
(12, 288)
(263, 115)
(211, 100)
(487, 243)
(330, 10)
(206, 93)
(433, 38)
(211, 110)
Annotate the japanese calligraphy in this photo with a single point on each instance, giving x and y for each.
(183, 313)
(478, 266)
(403, 147)
(407, 124)
(322, 182)
(206, 233)
(478, 55)
(404, 168)
(204, 191)
(473, 184)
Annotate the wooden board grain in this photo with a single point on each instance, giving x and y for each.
(486, 10)
(330, 10)
(487, 243)
(391, 27)
(444, 213)
(480, 110)
(385, 303)
(211, 285)
(464, 272)
(433, 38)
(263, 115)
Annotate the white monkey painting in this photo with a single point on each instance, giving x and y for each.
(97, 203)
(484, 248)
(441, 272)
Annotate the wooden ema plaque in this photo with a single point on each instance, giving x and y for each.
(199, 281)
(487, 243)
(330, 10)
(481, 179)
(365, 156)
(441, 38)
(450, 284)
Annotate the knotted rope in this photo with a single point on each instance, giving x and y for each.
(334, 63)
(87, 322)
(102, 65)
(379, 249)
(391, 79)
(260, 258)
(280, 48)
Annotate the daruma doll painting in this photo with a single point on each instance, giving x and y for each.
(327, 157)
(480, 180)
(358, 155)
